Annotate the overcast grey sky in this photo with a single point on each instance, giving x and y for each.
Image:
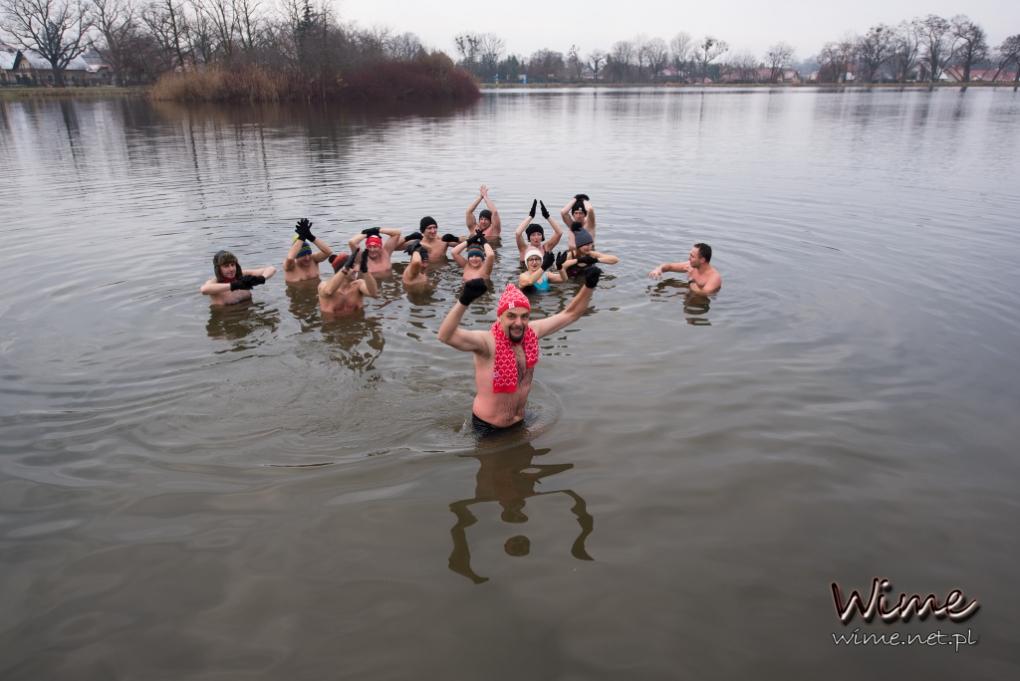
(747, 25)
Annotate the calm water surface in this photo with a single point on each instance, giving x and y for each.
(261, 493)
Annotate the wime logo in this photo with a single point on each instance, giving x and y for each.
(956, 607)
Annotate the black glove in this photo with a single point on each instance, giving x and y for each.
(364, 261)
(534, 205)
(412, 236)
(576, 226)
(545, 211)
(423, 253)
(586, 260)
(247, 282)
(304, 230)
(450, 238)
(591, 276)
(477, 238)
(581, 198)
(561, 258)
(371, 231)
(472, 290)
(412, 246)
(547, 260)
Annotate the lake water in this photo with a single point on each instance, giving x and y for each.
(261, 493)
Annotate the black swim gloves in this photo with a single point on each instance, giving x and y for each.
(591, 276)
(371, 231)
(247, 282)
(472, 290)
(534, 205)
(304, 230)
(547, 260)
(450, 238)
(545, 211)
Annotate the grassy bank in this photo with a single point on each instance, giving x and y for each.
(103, 91)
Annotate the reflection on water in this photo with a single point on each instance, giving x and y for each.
(508, 477)
(839, 418)
(238, 322)
(356, 341)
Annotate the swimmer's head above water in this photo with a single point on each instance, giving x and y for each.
(536, 235)
(304, 254)
(583, 241)
(225, 267)
(373, 245)
(513, 313)
(484, 218)
(475, 257)
(533, 258)
(426, 223)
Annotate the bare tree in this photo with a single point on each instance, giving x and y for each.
(656, 55)
(249, 23)
(490, 51)
(468, 46)
(874, 49)
(972, 44)
(574, 64)
(620, 59)
(1009, 53)
(938, 44)
(56, 29)
(707, 51)
(169, 25)
(595, 61)
(834, 61)
(906, 50)
(680, 52)
(221, 23)
(778, 59)
(117, 23)
(404, 47)
(546, 65)
(743, 67)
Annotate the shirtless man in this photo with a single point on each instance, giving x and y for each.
(480, 257)
(379, 253)
(344, 292)
(579, 214)
(301, 264)
(506, 354)
(535, 234)
(430, 240)
(229, 285)
(488, 219)
(702, 276)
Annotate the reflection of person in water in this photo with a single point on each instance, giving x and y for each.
(356, 341)
(509, 477)
(238, 322)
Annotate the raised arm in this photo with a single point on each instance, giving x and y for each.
(589, 220)
(456, 253)
(469, 216)
(330, 287)
(565, 212)
(496, 221)
(212, 287)
(324, 251)
(490, 259)
(450, 331)
(394, 239)
(290, 262)
(574, 309)
(551, 242)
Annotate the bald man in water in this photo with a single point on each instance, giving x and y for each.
(703, 278)
(505, 355)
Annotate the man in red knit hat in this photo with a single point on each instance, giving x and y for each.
(506, 354)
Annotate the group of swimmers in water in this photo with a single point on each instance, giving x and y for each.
(506, 353)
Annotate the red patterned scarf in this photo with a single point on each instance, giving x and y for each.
(504, 364)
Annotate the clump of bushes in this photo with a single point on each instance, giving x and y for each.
(428, 77)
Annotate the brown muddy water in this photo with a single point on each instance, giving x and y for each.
(261, 493)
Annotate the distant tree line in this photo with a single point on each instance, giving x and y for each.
(918, 50)
(140, 41)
